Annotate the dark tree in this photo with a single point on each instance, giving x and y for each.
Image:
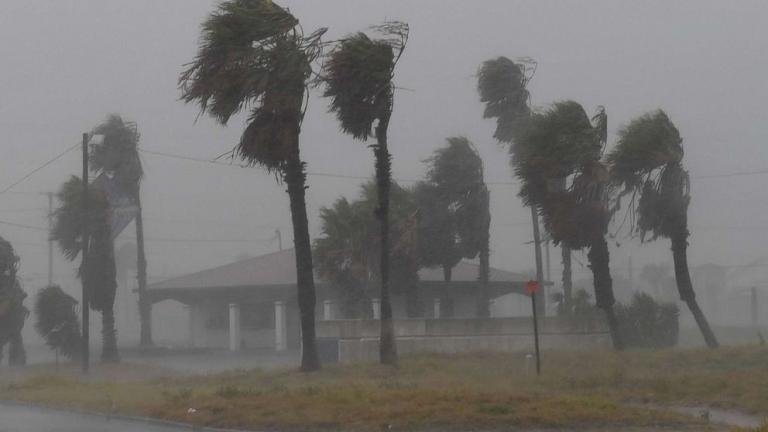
(117, 155)
(455, 192)
(648, 162)
(359, 73)
(100, 276)
(13, 313)
(57, 321)
(254, 56)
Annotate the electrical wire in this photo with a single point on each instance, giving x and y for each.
(31, 173)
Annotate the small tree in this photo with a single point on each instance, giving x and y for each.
(57, 321)
(359, 74)
(13, 313)
(647, 161)
(100, 276)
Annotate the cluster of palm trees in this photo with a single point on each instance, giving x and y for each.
(559, 156)
(116, 160)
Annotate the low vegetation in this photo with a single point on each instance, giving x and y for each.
(426, 392)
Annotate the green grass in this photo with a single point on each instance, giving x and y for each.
(489, 391)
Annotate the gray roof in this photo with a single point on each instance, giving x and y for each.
(279, 268)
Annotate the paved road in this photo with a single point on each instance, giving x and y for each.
(21, 419)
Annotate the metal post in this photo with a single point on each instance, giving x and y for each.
(50, 238)
(85, 308)
(536, 333)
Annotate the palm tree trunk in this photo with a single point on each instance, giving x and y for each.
(447, 273)
(145, 308)
(685, 288)
(17, 356)
(567, 280)
(387, 347)
(295, 178)
(599, 260)
(108, 336)
(484, 270)
(540, 297)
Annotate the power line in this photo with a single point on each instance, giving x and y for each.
(192, 240)
(311, 173)
(31, 173)
(733, 174)
(18, 225)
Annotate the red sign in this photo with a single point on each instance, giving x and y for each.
(532, 287)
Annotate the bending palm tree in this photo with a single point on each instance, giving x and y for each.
(648, 161)
(254, 55)
(100, 276)
(117, 155)
(558, 144)
(359, 83)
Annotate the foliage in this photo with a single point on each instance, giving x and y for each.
(253, 56)
(645, 323)
(117, 154)
(502, 87)
(348, 251)
(13, 313)
(57, 320)
(453, 205)
(100, 275)
(647, 160)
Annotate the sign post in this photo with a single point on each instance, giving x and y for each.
(532, 287)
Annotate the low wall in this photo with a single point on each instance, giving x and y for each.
(357, 340)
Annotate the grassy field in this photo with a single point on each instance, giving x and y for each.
(429, 392)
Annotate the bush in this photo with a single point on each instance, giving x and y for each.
(57, 321)
(646, 323)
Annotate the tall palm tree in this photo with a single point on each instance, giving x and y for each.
(117, 155)
(562, 143)
(100, 277)
(502, 85)
(648, 161)
(359, 74)
(254, 56)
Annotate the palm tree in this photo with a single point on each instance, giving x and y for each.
(359, 75)
(348, 251)
(117, 156)
(502, 85)
(254, 56)
(100, 276)
(647, 161)
(561, 143)
(57, 322)
(13, 313)
(456, 177)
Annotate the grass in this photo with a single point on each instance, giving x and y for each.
(460, 392)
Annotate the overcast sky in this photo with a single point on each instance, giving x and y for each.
(66, 64)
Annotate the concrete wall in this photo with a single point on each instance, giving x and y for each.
(367, 350)
(357, 340)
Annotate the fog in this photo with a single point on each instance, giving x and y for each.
(68, 63)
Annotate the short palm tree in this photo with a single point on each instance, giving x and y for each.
(254, 56)
(647, 161)
(359, 74)
(117, 155)
(556, 145)
(13, 313)
(100, 276)
(57, 321)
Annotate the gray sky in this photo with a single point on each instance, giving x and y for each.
(68, 63)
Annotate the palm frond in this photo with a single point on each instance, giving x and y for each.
(502, 87)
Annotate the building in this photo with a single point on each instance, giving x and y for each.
(252, 303)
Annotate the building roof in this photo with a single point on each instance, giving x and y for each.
(279, 268)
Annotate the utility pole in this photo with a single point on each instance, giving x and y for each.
(753, 298)
(541, 304)
(279, 237)
(84, 265)
(50, 239)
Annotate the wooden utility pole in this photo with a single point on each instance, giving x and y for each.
(84, 266)
(532, 288)
(541, 304)
(50, 238)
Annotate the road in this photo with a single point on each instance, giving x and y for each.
(22, 419)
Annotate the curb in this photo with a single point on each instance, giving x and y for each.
(125, 418)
